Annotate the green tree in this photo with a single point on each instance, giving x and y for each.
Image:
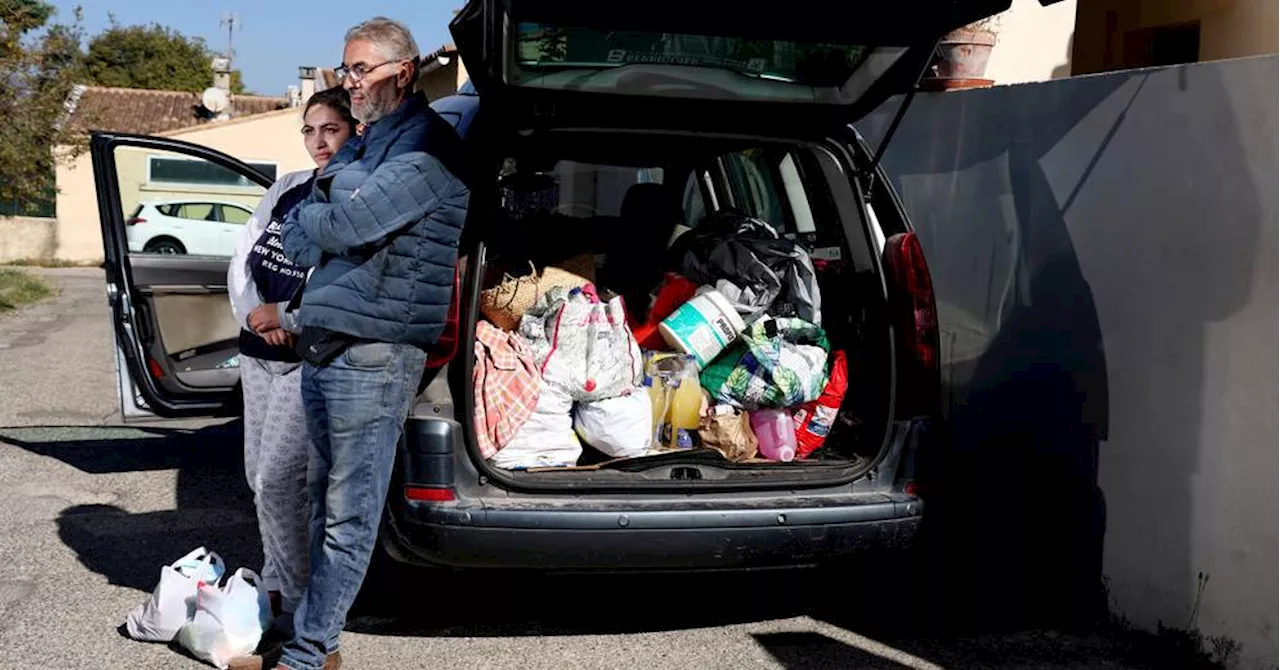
(39, 64)
(152, 57)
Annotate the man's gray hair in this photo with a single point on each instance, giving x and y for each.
(390, 36)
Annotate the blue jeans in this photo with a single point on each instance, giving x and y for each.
(356, 408)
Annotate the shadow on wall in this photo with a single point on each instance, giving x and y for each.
(1020, 193)
(1063, 69)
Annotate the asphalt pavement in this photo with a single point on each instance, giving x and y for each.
(95, 507)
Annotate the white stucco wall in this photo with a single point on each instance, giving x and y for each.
(1033, 42)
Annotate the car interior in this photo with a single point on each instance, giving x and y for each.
(623, 199)
(186, 327)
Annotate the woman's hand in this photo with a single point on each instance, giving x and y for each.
(264, 318)
(279, 337)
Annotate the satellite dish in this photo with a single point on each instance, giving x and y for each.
(215, 100)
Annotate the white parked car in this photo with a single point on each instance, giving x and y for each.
(197, 227)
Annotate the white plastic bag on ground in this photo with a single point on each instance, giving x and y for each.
(547, 439)
(621, 427)
(170, 605)
(228, 621)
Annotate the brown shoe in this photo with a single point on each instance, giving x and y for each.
(269, 653)
(331, 662)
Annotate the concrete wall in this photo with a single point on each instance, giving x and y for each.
(1033, 42)
(1104, 254)
(27, 237)
(273, 137)
(1228, 28)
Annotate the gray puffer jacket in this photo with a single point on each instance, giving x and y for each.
(381, 229)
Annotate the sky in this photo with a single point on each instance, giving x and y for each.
(274, 36)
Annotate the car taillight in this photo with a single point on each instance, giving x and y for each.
(135, 219)
(914, 315)
(428, 493)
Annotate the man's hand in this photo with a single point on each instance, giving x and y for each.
(264, 318)
(279, 337)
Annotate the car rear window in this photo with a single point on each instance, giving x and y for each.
(540, 46)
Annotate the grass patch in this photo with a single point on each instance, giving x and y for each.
(18, 288)
(51, 263)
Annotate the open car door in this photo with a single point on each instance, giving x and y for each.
(804, 68)
(176, 339)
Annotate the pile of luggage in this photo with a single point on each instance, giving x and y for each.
(730, 354)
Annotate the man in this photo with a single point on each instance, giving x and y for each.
(381, 229)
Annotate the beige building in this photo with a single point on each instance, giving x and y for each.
(261, 131)
(442, 73)
(1075, 37)
(1123, 34)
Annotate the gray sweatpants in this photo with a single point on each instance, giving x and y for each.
(276, 450)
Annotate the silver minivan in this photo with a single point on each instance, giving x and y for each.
(693, 111)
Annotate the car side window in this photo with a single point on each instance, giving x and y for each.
(755, 188)
(785, 188)
(197, 211)
(236, 215)
(695, 207)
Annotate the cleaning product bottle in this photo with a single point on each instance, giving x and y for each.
(776, 433)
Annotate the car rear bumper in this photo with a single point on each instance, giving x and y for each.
(522, 537)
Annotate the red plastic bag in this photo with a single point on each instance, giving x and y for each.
(814, 420)
(444, 348)
(674, 292)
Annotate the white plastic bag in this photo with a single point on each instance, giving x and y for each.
(547, 439)
(170, 605)
(621, 427)
(583, 345)
(228, 621)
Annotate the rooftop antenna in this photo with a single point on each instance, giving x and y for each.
(230, 21)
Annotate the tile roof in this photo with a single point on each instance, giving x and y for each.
(145, 112)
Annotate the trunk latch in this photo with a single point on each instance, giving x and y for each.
(686, 473)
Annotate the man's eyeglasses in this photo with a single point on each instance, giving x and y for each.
(359, 70)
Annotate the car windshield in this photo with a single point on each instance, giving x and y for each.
(539, 46)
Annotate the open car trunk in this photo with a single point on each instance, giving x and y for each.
(609, 208)
(616, 130)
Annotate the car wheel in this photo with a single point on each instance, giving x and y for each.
(164, 246)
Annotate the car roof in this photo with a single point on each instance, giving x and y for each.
(196, 201)
(459, 109)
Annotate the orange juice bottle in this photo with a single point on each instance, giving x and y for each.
(685, 412)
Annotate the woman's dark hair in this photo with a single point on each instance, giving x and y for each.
(337, 99)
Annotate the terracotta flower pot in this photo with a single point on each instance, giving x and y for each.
(961, 61)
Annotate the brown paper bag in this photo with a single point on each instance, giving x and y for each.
(728, 430)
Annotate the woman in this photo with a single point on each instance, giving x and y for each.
(262, 282)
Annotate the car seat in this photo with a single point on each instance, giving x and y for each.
(637, 248)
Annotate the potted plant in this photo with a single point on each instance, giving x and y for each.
(961, 59)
